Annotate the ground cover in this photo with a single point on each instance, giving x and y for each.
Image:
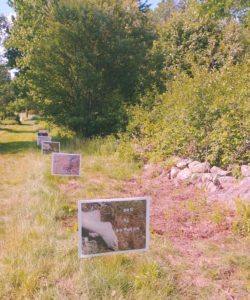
(194, 251)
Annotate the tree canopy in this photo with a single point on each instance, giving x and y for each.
(84, 64)
(84, 61)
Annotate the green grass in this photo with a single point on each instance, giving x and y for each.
(38, 233)
(39, 257)
(17, 138)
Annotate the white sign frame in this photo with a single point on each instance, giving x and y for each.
(68, 154)
(51, 142)
(147, 229)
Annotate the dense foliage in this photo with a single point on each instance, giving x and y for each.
(200, 106)
(206, 117)
(7, 93)
(190, 37)
(85, 61)
(177, 76)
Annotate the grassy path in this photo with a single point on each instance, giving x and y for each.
(39, 249)
(38, 235)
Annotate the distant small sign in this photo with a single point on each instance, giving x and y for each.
(42, 132)
(108, 226)
(43, 138)
(66, 164)
(49, 147)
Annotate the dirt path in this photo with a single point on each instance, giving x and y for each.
(202, 235)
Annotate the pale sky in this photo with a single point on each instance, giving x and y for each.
(6, 10)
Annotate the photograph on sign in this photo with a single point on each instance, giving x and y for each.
(41, 139)
(49, 147)
(42, 132)
(109, 226)
(66, 164)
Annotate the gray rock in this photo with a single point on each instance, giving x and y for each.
(219, 172)
(198, 167)
(184, 174)
(182, 164)
(193, 163)
(245, 170)
(205, 177)
(208, 177)
(234, 192)
(245, 182)
(227, 181)
(216, 181)
(211, 187)
(196, 178)
(173, 172)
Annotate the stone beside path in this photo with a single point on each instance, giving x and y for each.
(218, 184)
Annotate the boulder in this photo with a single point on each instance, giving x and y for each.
(211, 187)
(182, 164)
(219, 172)
(227, 181)
(245, 171)
(184, 174)
(216, 181)
(174, 172)
(196, 178)
(236, 191)
(193, 163)
(198, 167)
(205, 177)
(244, 189)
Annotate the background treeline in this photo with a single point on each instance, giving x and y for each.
(174, 81)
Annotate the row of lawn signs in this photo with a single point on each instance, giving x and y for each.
(63, 164)
(43, 136)
(105, 226)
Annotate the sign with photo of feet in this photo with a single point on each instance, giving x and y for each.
(109, 226)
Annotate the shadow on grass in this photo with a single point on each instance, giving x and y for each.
(15, 147)
(17, 131)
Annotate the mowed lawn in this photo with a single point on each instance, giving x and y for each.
(38, 234)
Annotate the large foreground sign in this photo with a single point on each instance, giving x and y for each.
(66, 164)
(108, 226)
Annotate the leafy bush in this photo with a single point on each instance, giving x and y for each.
(190, 35)
(206, 117)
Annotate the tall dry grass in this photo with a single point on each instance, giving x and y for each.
(38, 234)
(39, 257)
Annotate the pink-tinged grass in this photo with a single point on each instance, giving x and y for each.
(38, 232)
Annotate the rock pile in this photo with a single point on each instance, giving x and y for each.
(219, 184)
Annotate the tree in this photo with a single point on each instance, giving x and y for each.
(86, 64)
(6, 93)
(219, 9)
(4, 30)
(189, 37)
(164, 11)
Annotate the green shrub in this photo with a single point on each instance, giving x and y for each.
(242, 223)
(206, 117)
